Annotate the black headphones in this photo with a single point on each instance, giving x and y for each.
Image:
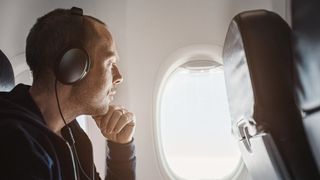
(74, 63)
(72, 66)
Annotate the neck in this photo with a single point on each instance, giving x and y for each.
(47, 103)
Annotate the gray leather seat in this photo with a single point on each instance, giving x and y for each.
(306, 31)
(6, 73)
(258, 66)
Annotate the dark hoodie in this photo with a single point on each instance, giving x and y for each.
(29, 150)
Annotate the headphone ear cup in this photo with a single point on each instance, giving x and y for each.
(73, 66)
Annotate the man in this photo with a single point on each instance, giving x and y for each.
(40, 138)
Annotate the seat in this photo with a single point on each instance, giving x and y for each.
(266, 121)
(306, 28)
(6, 73)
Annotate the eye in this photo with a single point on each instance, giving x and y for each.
(109, 64)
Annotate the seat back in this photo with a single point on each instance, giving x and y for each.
(6, 73)
(258, 68)
(306, 31)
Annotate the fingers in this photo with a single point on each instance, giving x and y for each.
(117, 125)
(104, 120)
(127, 132)
(126, 119)
(116, 117)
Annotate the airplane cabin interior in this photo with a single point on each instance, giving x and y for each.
(221, 89)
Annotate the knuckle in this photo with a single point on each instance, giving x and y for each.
(133, 123)
(130, 115)
(112, 107)
(128, 120)
(118, 113)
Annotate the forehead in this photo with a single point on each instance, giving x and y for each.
(106, 49)
(103, 42)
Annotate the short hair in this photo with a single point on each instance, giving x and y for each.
(51, 35)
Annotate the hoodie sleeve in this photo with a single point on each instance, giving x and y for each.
(121, 161)
(21, 157)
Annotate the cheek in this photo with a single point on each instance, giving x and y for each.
(104, 81)
(107, 77)
(100, 80)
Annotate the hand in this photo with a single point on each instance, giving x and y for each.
(117, 125)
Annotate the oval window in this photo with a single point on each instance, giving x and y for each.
(21, 69)
(194, 123)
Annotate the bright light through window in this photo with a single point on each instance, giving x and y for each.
(195, 125)
(83, 122)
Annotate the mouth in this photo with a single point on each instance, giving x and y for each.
(111, 94)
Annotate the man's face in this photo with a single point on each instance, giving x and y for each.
(96, 90)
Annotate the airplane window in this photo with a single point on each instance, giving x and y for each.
(21, 69)
(24, 77)
(195, 126)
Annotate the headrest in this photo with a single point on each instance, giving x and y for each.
(306, 28)
(258, 67)
(6, 73)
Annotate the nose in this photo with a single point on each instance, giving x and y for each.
(117, 77)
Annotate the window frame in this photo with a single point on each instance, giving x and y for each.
(167, 68)
(19, 66)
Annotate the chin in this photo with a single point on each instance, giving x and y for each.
(101, 110)
(99, 107)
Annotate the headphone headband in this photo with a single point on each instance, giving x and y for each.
(76, 11)
(74, 62)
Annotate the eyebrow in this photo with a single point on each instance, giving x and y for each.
(110, 54)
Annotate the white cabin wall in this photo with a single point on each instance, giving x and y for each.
(155, 29)
(146, 33)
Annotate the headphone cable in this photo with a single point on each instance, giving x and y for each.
(72, 140)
